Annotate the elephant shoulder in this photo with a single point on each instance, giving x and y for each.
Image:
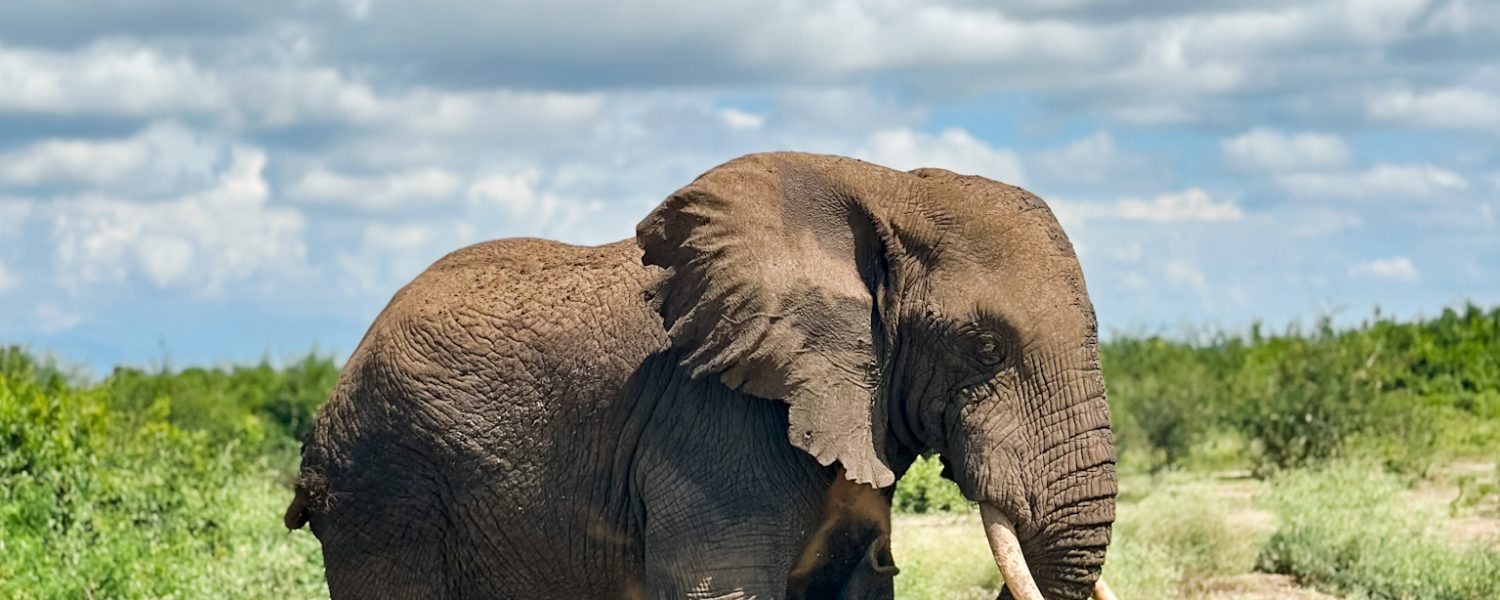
(510, 309)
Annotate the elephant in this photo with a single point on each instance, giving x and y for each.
(720, 407)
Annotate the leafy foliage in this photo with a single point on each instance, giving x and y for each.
(923, 489)
(1401, 392)
(100, 498)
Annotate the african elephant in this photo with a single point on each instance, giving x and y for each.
(720, 407)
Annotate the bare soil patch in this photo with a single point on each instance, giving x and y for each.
(1475, 524)
(1258, 586)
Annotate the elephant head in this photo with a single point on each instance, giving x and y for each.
(897, 313)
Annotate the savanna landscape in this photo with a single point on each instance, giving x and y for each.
(1311, 462)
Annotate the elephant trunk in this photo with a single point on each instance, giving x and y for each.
(1012, 560)
(1061, 559)
(1048, 510)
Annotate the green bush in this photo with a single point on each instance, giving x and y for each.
(1404, 393)
(1344, 528)
(219, 400)
(923, 489)
(104, 504)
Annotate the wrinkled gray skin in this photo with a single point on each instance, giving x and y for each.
(529, 419)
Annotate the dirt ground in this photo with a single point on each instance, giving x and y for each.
(1473, 524)
(1258, 586)
(1239, 490)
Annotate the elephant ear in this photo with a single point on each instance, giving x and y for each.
(775, 273)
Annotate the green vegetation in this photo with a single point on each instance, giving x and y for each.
(171, 483)
(1178, 533)
(1409, 394)
(1335, 423)
(924, 490)
(1346, 528)
(943, 555)
(152, 485)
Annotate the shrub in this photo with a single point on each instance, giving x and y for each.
(1404, 393)
(98, 503)
(924, 489)
(218, 400)
(1165, 396)
(1344, 528)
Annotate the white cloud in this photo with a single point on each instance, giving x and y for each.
(406, 189)
(738, 119)
(359, 10)
(200, 241)
(289, 95)
(68, 160)
(952, 149)
(848, 110)
(514, 192)
(50, 318)
(522, 202)
(1185, 271)
(1264, 149)
(1192, 204)
(1399, 268)
(159, 156)
(1090, 159)
(1456, 17)
(1165, 65)
(859, 37)
(8, 281)
(13, 215)
(387, 256)
(128, 78)
(1382, 181)
(1453, 107)
(114, 77)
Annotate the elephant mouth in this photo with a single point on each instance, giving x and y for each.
(1006, 548)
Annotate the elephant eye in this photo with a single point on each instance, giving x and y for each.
(988, 350)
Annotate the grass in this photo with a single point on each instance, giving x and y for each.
(943, 556)
(1174, 534)
(1347, 529)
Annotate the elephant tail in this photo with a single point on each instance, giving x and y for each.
(311, 498)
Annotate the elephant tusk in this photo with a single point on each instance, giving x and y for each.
(1007, 550)
(1102, 591)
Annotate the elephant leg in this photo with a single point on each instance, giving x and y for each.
(738, 561)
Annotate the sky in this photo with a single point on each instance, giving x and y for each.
(201, 182)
